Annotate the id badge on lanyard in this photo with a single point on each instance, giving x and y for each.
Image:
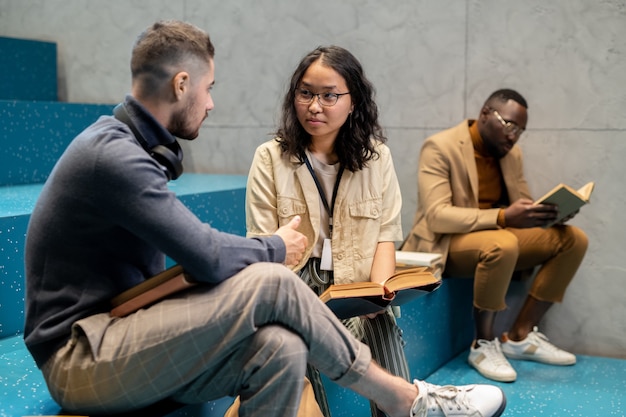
(326, 262)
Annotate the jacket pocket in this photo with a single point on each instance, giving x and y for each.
(365, 219)
(288, 208)
(370, 209)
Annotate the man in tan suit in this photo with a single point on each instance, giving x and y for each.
(474, 207)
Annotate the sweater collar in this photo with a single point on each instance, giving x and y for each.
(152, 131)
(477, 140)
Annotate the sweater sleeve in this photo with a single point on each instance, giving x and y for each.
(133, 193)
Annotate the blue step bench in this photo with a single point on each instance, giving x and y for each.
(34, 134)
(435, 327)
(29, 69)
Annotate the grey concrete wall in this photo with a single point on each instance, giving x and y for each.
(433, 63)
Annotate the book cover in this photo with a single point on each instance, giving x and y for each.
(153, 289)
(567, 199)
(360, 298)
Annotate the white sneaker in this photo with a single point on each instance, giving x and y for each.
(489, 360)
(537, 348)
(461, 401)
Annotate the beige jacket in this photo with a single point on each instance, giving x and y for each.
(367, 207)
(448, 190)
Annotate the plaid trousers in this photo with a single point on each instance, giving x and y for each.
(251, 335)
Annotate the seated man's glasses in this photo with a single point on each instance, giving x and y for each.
(509, 128)
(305, 96)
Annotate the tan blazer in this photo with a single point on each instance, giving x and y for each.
(448, 190)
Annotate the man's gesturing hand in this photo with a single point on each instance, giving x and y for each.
(295, 242)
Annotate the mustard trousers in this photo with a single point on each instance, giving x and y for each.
(492, 256)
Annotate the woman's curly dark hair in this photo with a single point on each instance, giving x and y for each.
(354, 145)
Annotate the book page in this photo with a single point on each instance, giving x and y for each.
(413, 278)
(586, 190)
(354, 289)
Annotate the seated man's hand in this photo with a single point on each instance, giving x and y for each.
(570, 217)
(295, 242)
(523, 214)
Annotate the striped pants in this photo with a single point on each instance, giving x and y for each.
(381, 334)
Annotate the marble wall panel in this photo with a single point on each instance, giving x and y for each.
(567, 58)
(410, 50)
(589, 315)
(224, 149)
(93, 39)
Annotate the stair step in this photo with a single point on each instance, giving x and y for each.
(29, 69)
(35, 134)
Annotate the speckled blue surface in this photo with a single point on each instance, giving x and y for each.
(35, 134)
(23, 391)
(29, 69)
(594, 387)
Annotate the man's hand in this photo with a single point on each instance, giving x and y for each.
(523, 214)
(570, 217)
(295, 242)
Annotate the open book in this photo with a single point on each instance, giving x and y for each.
(360, 298)
(168, 282)
(568, 199)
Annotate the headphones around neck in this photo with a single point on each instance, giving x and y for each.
(169, 157)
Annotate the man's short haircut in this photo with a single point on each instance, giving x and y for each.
(505, 94)
(163, 48)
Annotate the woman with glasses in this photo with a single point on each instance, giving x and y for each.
(329, 165)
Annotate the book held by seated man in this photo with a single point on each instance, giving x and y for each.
(153, 289)
(360, 298)
(567, 199)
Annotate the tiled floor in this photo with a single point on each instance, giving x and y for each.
(594, 387)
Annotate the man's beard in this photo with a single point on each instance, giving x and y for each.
(494, 151)
(179, 125)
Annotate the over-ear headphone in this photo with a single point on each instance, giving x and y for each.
(169, 157)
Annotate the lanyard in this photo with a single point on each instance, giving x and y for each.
(329, 209)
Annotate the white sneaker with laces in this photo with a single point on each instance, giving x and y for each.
(462, 401)
(536, 347)
(490, 362)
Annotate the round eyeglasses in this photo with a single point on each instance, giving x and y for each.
(305, 96)
(509, 128)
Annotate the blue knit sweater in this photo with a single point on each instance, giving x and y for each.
(105, 221)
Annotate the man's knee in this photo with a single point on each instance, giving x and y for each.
(502, 246)
(279, 347)
(578, 239)
(270, 273)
